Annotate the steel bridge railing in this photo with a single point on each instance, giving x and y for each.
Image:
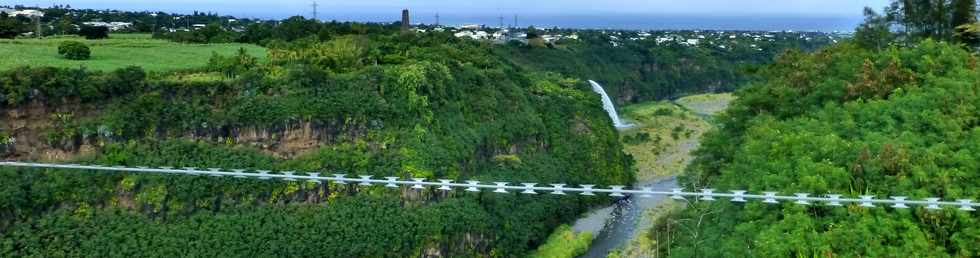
(869, 201)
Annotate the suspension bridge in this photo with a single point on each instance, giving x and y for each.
(707, 194)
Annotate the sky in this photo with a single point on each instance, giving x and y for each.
(487, 11)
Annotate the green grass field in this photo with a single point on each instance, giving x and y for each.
(120, 50)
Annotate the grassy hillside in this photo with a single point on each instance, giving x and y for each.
(120, 50)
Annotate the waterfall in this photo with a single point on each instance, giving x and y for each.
(608, 105)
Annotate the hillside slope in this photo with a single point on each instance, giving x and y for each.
(899, 122)
(353, 104)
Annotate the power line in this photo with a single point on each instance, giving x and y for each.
(868, 201)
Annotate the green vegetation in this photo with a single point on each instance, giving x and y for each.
(635, 71)
(93, 32)
(905, 22)
(706, 104)
(11, 27)
(674, 130)
(384, 105)
(649, 242)
(884, 115)
(74, 50)
(845, 120)
(564, 243)
(665, 133)
(65, 20)
(119, 51)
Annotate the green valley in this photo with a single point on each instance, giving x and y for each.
(206, 135)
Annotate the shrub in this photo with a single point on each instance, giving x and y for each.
(636, 138)
(5, 138)
(74, 50)
(93, 32)
(664, 112)
(564, 243)
(10, 27)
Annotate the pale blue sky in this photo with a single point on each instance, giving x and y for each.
(272, 8)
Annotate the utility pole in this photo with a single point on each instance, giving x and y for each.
(315, 5)
(37, 22)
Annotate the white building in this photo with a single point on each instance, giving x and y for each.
(471, 27)
(113, 26)
(27, 13)
(549, 38)
(478, 35)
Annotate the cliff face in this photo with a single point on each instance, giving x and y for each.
(482, 121)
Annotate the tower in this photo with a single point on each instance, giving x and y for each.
(515, 21)
(405, 21)
(315, 5)
(501, 20)
(437, 19)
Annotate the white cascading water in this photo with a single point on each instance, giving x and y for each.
(608, 105)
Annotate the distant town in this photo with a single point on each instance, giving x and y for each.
(59, 19)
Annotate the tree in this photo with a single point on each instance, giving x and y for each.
(94, 32)
(875, 33)
(10, 27)
(964, 13)
(66, 25)
(74, 50)
(210, 31)
(935, 19)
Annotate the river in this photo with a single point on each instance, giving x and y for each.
(620, 223)
(617, 224)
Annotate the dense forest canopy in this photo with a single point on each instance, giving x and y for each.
(636, 69)
(893, 113)
(380, 104)
(892, 121)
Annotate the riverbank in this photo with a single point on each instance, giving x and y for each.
(689, 118)
(661, 142)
